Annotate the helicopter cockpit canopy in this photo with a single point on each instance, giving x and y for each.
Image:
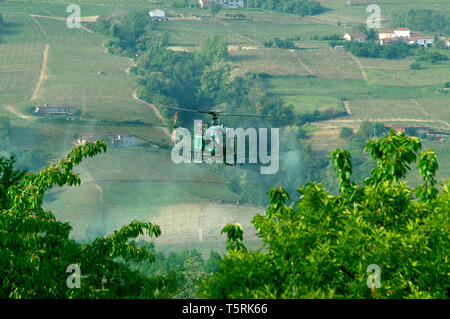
(214, 138)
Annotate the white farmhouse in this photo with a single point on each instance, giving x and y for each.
(359, 37)
(157, 14)
(229, 4)
(402, 33)
(447, 43)
(386, 34)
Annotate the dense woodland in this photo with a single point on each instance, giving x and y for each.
(301, 7)
(371, 49)
(425, 20)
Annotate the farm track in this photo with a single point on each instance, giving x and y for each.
(360, 66)
(307, 68)
(91, 179)
(134, 95)
(39, 25)
(83, 19)
(428, 114)
(347, 107)
(42, 75)
(14, 111)
(156, 111)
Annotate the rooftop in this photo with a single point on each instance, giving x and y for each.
(357, 35)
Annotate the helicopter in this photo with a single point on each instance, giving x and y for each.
(213, 142)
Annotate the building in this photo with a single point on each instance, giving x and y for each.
(419, 130)
(447, 43)
(233, 4)
(112, 139)
(158, 15)
(425, 41)
(414, 37)
(421, 40)
(395, 127)
(54, 110)
(399, 34)
(386, 34)
(229, 4)
(402, 33)
(206, 3)
(359, 37)
(388, 40)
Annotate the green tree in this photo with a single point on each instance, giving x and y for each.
(424, 20)
(215, 10)
(215, 49)
(321, 245)
(35, 249)
(415, 66)
(345, 132)
(9, 176)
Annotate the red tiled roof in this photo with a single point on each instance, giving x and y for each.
(402, 29)
(357, 35)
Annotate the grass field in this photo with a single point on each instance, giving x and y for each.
(273, 61)
(430, 75)
(386, 108)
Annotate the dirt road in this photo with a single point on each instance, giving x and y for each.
(307, 68)
(156, 111)
(42, 75)
(360, 66)
(14, 111)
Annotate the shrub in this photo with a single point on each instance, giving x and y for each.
(323, 245)
(415, 66)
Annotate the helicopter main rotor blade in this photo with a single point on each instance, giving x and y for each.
(245, 115)
(212, 112)
(181, 109)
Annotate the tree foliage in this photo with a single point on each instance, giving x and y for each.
(300, 7)
(426, 20)
(371, 49)
(186, 268)
(321, 245)
(35, 248)
(277, 42)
